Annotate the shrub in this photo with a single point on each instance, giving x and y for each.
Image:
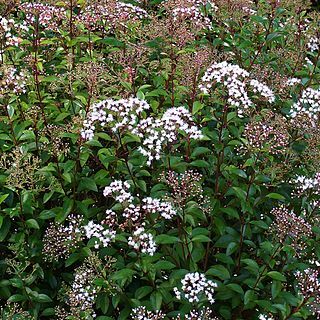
(159, 160)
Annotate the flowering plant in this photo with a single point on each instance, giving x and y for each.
(159, 159)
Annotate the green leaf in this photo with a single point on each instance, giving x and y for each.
(276, 196)
(249, 296)
(241, 194)
(4, 230)
(48, 312)
(46, 214)
(166, 239)
(143, 291)
(41, 297)
(201, 238)
(197, 106)
(200, 164)
(230, 212)
(276, 276)
(199, 150)
(87, 184)
(236, 288)
(3, 197)
(124, 274)
(32, 223)
(17, 298)
(74, 257)
(219, 271)
(164, 265)
(156, 300)
(275, 288)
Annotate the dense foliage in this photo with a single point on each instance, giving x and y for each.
(159, 159)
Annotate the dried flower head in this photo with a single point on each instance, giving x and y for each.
(23, 170)
(189, 11)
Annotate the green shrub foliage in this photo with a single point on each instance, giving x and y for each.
(159, 159)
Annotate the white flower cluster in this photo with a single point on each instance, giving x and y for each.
(142, 241)
(125, 114)
(132, 212)
(313, 44)
(83, 293)
(236, 81)
(194, 287)
(156, 133)
(264, 90)
(118, 114)
(133, 215)
(293, 81)
(104, 236)
(265, 317)
(192, 14)
(13, 81)
(127, 11)
(119, 190)
(308, 104)
(305, 184)
(141, 313)
(7, 28)
(165, 209)
(48, 16)
(112, 14)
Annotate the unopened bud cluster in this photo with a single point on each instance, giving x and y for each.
(59, 240)
(83, 293)
(183, 186)
(287, 226)
(266, 135)
(309, 288)
(202, 314)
